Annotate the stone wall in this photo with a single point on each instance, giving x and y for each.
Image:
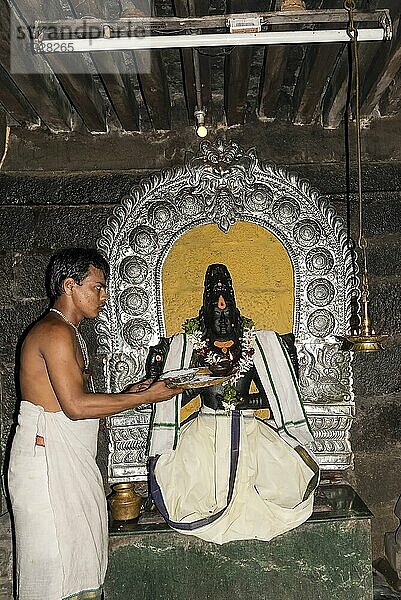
(59, 191)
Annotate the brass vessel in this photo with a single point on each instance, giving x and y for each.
(125, 503)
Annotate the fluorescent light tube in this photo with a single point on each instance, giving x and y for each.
(212, 39)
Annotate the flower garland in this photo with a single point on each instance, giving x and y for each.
(192, 328)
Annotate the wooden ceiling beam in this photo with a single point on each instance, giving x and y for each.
(336, 96)
(189, 81)
(271, 81)
(119, 88)
(110, 67)
(181, 10)
(337, 93)
(382, 72)
(372, 55)
(3, 136)
(134, 17)
(154, 87)
(390, 103)
(316, 69)
(237, 70)
(32, 75)
(151, 72)
(72, 72)
(82, 89)
(273, 73)
(14, 102)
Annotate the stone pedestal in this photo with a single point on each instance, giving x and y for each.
(326, 558)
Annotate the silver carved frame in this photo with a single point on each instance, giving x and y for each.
(224, 184)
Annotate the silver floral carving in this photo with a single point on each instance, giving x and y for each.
(143, 239)
(223, 184)
(259, 199)
(321, 323)
(320, 292)
(331, 427)
(325, 373)
(189, 203)
(134, 270)
(307, 232)
(286, 210)
(121, 369)
(134, 301)
(319, 261)
(128, 438)
(161, 214)
(137, 332)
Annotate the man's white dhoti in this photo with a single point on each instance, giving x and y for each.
(233, 476)
(59, 507)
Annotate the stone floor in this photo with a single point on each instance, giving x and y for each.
(382, 591)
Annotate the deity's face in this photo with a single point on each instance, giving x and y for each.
(221, 319)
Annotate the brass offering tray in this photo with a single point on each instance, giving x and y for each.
(198, 377)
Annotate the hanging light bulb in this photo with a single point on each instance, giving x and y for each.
(363, 336)
(200, 110)
(201, 129)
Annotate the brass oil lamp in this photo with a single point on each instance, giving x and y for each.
(363, 337)
(366, 340)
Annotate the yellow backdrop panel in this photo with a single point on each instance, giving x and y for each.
(260, 267)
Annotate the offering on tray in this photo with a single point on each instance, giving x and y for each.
(196, 377)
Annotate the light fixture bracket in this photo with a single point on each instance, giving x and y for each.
(141, 33)
(245, 25)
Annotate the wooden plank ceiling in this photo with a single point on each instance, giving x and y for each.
(102, 92)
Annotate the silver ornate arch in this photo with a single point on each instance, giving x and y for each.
(224, 184)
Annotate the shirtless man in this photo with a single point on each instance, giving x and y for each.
(55, 486)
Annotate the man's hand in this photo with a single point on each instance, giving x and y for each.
(152, 391)
(162, 390)
(141, 386)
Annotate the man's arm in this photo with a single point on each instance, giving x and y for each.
(59, 351)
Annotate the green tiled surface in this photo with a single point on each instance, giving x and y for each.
(327, 558)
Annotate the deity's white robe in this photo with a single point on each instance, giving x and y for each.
(59, 507)
(230, 476)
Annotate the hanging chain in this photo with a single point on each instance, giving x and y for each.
(352, 31)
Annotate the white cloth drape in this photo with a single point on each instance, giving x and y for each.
(165, 422)
(268, 482)
(59, 507)
(276, 373)
(230, 476)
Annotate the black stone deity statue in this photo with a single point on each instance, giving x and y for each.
(229, 472)
(223, 347)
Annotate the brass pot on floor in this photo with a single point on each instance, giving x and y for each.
(125, 503)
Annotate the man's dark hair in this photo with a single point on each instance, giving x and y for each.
(75, 263)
